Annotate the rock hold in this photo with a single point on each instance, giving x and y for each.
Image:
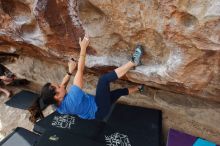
(181, 38)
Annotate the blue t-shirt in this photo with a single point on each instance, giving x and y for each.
(77, 102)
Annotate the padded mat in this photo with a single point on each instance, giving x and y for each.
(128, 125)
(57, 137)
(138, 121)
(22, 100)
(20, 137)
(72, 123)
(119, 137)
(177, 138)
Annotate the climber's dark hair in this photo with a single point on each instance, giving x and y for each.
(46, 98)
(47, 94)
(35, 111)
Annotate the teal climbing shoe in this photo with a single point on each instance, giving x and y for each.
(136, 57)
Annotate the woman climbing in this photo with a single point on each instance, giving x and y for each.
(80, 103)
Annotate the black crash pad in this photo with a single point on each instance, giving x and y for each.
(120, 137)
(71, 123)
(138, 121)
(22, 100)
(20, 137)
(57, 137)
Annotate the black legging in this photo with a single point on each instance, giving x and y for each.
(104, 97)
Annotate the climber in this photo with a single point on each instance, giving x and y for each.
(6, 77)
(78, 102)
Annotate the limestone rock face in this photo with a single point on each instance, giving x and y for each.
(181, 38)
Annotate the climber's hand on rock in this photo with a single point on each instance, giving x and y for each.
(85, 42)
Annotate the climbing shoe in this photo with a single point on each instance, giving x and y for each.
(136, 57)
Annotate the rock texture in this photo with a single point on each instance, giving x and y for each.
(181, 38)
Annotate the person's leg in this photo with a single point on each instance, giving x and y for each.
(135, 60)
(8, 82)
(103, 96)
(124, 69)
(135, 89)
(116, 94)
(5, 91)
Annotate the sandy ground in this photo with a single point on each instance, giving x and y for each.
(10, 117)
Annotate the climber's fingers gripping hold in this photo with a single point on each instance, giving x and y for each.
(85, 42)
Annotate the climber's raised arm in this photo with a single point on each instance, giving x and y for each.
(78, 80)
(71, 68)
